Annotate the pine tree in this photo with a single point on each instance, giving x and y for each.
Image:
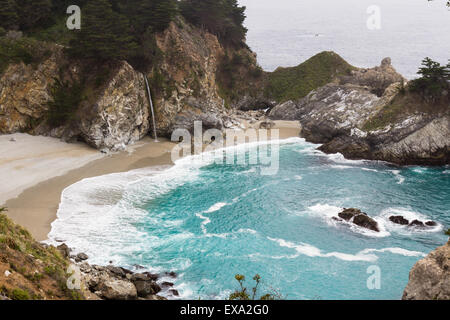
(143, 14)
(223, 18)
(434, 80)
(9, 18)
(104, 34)
(34, 13)
(164, 11)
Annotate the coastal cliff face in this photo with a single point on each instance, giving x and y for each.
(364, 116)
(361, 113)
(183, 83)
(25, 92)
(429, 279)
(109, 117)
(189, 90)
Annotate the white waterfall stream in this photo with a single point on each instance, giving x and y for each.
(151, 107)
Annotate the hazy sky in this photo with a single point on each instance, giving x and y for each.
(287, 32)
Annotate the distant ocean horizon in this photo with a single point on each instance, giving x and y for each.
(287, 32)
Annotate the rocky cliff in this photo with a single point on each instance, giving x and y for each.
(361, 113)
(115, 113)
(429, 279)
(109, 117)
(367, 115)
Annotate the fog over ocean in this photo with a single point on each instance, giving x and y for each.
(287, 32)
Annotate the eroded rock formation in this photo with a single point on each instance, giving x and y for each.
(429, 279)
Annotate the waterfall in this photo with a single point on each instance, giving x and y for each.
(151, 107)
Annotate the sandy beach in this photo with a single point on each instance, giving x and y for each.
(35, 170)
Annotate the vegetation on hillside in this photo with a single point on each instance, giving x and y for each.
(224, 18)
(244, 293)
(26, 50)
(428, 94)
(114, 30)
(296, 82)
(34, 271)
(238, 74)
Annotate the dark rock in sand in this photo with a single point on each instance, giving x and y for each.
(399, 220)
(267, 124)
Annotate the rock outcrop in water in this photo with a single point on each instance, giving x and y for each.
(429, 279)
(359, 218)
(363, 116)
(415, 223)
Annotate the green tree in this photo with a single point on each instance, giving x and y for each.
(104, 34)
(143, 14)
(9, 19)
(434, 80)
(223, 18)
(34, 13)
(164, 12)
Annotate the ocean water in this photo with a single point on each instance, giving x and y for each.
(208, 222)
(287, 32)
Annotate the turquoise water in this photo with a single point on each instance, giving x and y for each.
(209, 221)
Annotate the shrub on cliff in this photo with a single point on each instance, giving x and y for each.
(434, 82)
(26, 50)
(63, 107)
(244, 293)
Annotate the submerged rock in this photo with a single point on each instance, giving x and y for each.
(429, 279)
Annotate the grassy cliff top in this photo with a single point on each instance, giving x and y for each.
(404, 105)
(296, 82)
(28, 269)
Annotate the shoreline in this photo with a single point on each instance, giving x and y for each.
(36, 206)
